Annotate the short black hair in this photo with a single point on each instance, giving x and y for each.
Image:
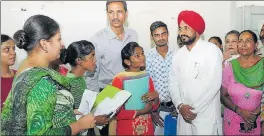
(156, 25)
(5, 38)
(235, 32)
(255, 38)
(112, 1)
(76, 50)
(127, 52)
(216, 38)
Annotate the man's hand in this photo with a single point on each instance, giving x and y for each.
(101, 120)
(185, 111)
(157, 120)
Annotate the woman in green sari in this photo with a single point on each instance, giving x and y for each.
(242, 89)
(39, 102)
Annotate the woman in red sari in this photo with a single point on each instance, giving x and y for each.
(135, 122)
(8, 58)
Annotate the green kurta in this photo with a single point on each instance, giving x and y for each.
(78, 85)
(38, 104)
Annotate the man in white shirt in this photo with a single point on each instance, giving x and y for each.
(158, 65)
(195, 79)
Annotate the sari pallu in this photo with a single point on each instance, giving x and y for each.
(38, 104)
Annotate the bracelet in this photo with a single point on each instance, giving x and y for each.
(179, 107)
(236, 108)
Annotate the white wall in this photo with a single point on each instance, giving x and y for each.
(255, 3)
(80, 20)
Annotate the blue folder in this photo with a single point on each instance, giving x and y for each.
(137, 86)
(170, 125)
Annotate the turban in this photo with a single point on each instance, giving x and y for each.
(193, 19)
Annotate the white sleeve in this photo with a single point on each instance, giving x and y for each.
(174, 87)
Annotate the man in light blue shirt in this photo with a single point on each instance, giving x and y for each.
(158, 64)
(108, 45)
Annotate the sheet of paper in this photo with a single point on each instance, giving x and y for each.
(87, 102)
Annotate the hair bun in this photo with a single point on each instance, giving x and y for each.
(64, 56)
(20, 39)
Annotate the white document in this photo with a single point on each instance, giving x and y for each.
(87, 102)
(109, 105)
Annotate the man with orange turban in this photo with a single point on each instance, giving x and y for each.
(195, 79)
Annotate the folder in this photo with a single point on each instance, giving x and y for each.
(109, 91)
(137, 86)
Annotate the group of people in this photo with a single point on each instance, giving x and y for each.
(42, 97)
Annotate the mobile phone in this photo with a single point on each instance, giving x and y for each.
(242, 125)
(109, 115)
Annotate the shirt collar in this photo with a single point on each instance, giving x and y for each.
(169, 51)
(112, 35)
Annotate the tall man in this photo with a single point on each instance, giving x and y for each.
(158, 66)
(108, 45)
(195, 79)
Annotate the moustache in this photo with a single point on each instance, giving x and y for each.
(185, 36)
(116, 20)
(161, 40)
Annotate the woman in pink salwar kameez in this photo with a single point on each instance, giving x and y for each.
(242, 88)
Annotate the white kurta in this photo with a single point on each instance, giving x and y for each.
(195, 79)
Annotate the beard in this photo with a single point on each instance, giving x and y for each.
(189, 41)
(261, 38)
(160, 43)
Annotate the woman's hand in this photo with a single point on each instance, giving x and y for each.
(87, 121)
(247, 116)
(226, 55)
(150, 96)
(146, 110)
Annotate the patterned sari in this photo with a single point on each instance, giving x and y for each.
(38, 104)
(245, 87)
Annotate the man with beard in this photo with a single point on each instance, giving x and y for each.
(195, 79)
(158, 64)
(261, 38)
(108, 45)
